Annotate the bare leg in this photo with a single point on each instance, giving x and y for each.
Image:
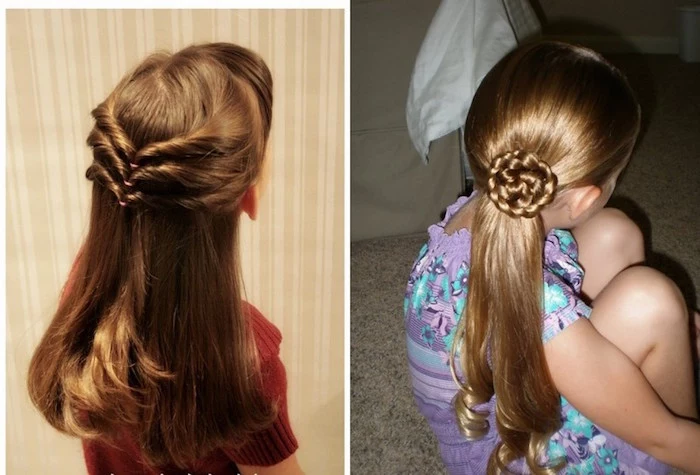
(637, 308)
(608, 243)
(643, 313)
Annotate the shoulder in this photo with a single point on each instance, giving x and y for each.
(561, 258)
(563, 278)
(562, 304)
(267, 336)
(275, 444)
(268, 339)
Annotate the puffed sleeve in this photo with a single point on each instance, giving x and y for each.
(563, 277)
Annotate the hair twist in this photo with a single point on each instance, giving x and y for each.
(184, 131)
(520, 184)
(176, 173)
(113, 152)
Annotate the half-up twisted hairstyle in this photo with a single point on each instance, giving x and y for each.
(150, 335)
(548, 117)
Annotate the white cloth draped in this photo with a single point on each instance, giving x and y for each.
(465, 39)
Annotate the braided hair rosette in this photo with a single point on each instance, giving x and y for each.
(520, 184)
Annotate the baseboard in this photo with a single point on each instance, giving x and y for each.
(624, 44)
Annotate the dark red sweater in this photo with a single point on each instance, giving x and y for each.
(266, 448)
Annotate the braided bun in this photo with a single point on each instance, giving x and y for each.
(520, 184)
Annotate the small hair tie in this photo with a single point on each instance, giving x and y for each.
(123, 204)
(128, 183)
(134, 165)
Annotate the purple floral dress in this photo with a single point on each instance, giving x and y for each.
(434, 300)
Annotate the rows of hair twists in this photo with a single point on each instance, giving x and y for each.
(195, 148)
(175, 173)
(112, 151)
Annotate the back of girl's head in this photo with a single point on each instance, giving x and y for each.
(185, 131)
(565, 104)
(150, 333)
(547, 118)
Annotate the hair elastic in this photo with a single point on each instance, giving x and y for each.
(134, 165)
(123, 204)
(128, 183)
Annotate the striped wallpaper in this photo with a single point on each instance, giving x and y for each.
(60, 64)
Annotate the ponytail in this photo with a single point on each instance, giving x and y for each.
(547, 118)
(501, 332)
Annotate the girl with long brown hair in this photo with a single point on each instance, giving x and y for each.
(536, 342)
(152, 356)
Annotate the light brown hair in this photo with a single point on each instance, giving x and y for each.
(150, 333)
(547, 118)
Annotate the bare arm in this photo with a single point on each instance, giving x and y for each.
(603, 384)
(288, 466)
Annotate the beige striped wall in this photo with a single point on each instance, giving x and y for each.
(60, 64)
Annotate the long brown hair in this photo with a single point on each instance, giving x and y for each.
(548, 117)
(150, 333)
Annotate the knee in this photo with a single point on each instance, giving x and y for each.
(649, 297)
(619, 236)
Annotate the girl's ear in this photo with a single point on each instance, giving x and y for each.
(249, 202)
(582, 199)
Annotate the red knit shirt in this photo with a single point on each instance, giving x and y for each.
(265, 448)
